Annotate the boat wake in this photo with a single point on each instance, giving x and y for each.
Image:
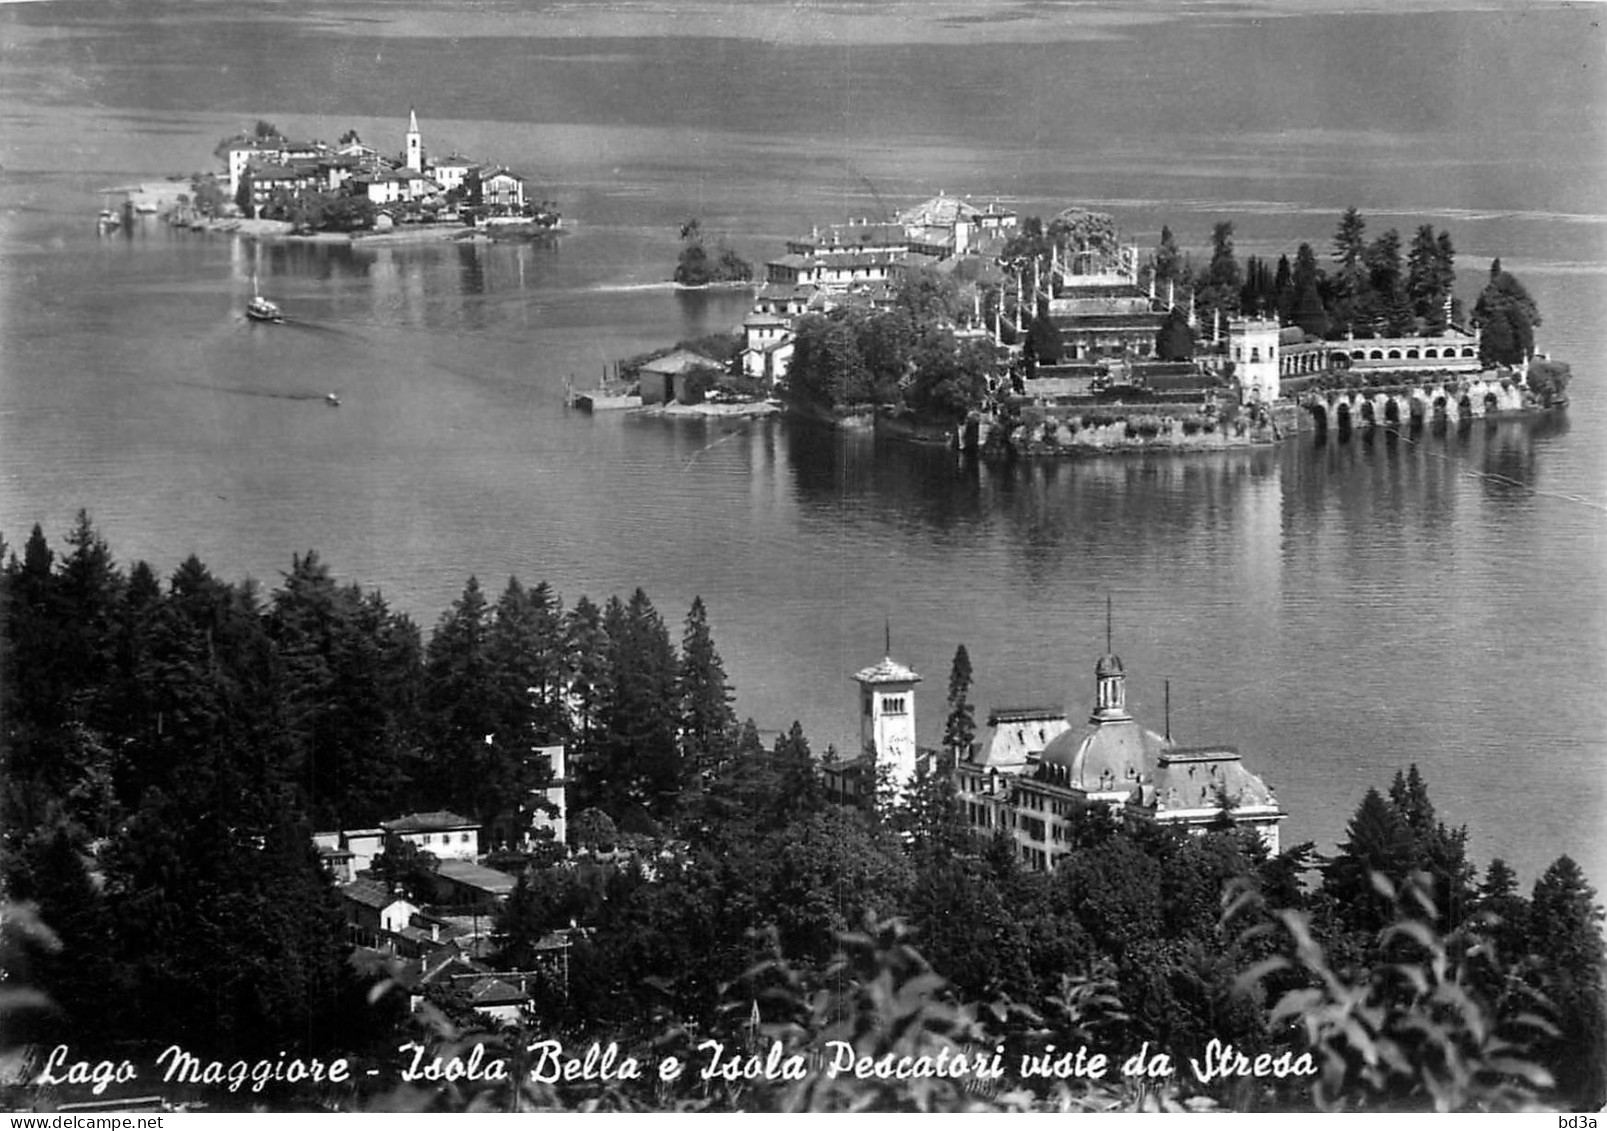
(294, 395)
(620, 288)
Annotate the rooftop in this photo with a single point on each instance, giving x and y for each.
(888, 671)
(477, 876)
(370, 893)
(680, 361)
(940, 211)
(437, 821)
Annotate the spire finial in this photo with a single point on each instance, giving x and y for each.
(1107, 623)
(887, 629)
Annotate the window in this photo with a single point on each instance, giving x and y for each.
(893, 705)
(464, 839)
(426, 838)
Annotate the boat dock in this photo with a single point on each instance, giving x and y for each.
(611, 396)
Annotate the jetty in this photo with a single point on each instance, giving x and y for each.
(608, 397)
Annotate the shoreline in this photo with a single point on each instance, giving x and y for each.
(757, 410)
(281, 230)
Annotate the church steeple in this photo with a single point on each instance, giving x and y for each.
(415, 143)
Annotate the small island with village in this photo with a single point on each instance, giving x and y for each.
(272, 185)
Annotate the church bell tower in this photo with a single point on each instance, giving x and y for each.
(415, 143)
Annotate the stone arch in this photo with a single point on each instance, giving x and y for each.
(1342, 418)
(1369, 416)
(1411, 355)
(1392, 410)
(1319, 417)
(1394, 355)
(1441, 407)
(1358, 355)
(1377, 355)
(1464, 406)
(1431, 353)
(1492, 403)
(1467, 351)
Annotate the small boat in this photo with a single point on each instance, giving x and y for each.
(260, 309)
(107, 221)
(332, 400)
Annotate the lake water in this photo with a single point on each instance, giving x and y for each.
(1336, 610)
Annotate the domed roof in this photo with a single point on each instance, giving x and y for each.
(1109, 664)
(1106, 756)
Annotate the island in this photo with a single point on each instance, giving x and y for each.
(1010, 336)
(274, 185)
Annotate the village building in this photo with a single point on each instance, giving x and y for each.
(669, 379)
(374, 913)
(465, 884)
(503, 191)
(455, 173)
(444, 835)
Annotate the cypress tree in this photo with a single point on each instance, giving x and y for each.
(959, 728)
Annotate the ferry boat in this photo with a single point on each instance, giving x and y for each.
(260, 309)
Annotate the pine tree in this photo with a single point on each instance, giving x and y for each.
(527, 654)
(1565, 929)
(641, 760)
(1224, 278)
(1350, 252)
(1434, 848)
(798, 788)
(589, 679)
(1377, 840)
(1423, 279)
(478, 708)
(707, 722)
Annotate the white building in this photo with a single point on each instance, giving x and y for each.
(446, 835)
(1253, 345)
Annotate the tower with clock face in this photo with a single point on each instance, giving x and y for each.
(887, 718)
